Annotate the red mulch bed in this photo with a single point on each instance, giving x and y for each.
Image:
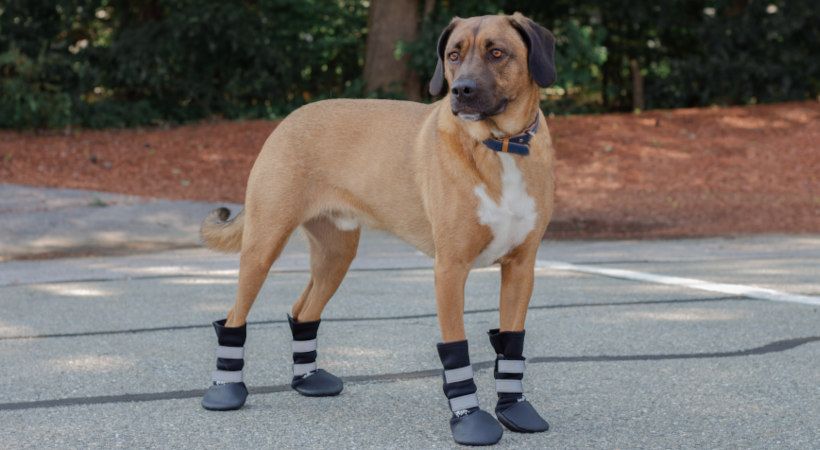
(671, 173)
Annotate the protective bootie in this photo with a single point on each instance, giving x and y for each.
(228, 391)
(513, 410)
(470, 424)
(309, 380)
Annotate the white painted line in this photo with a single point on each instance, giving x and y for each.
(692, 283)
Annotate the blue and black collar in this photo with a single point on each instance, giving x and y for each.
(518, 144)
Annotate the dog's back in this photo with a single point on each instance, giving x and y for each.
(300, 163)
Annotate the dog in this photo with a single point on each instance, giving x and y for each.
(467, 180)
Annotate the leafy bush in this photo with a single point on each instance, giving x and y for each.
(737, 52)
(689, 52)
(255, 60)
(695, 52)
(112, 63)
(42, 71)
(28, 98)
(121, 63)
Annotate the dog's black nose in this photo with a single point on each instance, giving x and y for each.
(463, 88)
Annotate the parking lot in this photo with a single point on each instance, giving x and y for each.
(682, 343)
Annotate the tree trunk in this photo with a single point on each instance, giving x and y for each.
(637, 86)
(390, 21)
(429, 6)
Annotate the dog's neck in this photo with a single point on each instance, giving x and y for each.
(499, 134)
(517, 117)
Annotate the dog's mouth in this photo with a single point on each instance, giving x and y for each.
(470, 117)
(471, 114)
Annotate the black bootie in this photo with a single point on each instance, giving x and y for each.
(309, 380)
(228, 390)
(470, 425)
(513, 410)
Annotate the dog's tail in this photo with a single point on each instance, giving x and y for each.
(220, 233)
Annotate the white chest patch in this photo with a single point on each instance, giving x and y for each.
(511, 219)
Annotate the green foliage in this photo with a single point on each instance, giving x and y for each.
(695, 52)
(113, 63)
(579, 51)
(690, 52)
(422, 52)
(254, 60)
(579, 56)
(737, 52)
(119, 63)
(28, 98)
(42, 71)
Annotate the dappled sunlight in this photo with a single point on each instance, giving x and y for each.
(767, 271)
(199, 281)
(356, 351)
(166, 270)
(112, 236)
(7, 329)
(183, 270)
(73, 290)
(746, 123)
(213, 307)
(91, 363)
(797, 114)
(51, 241)
(410, 278)
(799, 241)
(668, 153)
(554, 274)
(597, 174)
(679, 315)
(176, 219)
(493, 268)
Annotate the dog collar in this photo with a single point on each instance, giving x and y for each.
(518, 144)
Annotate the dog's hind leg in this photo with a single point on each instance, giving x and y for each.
(262, 242)
(264, 236)
(331, 252)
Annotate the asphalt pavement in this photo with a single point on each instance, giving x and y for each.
(631, 344)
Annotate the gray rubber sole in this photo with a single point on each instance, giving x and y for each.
(320, 384)
(225, 397)
(522, 417)
(477, 428)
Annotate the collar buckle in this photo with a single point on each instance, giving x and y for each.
(518, 144)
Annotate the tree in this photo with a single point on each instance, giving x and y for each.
(391, 21)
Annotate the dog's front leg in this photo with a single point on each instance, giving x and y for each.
(451, 276)
(469, 424)
(517, 275)
(512, 409)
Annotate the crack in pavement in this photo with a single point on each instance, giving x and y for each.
(370, 319)
(772, 347)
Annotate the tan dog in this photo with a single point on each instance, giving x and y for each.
(421, 172)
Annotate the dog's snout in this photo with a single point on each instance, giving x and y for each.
(464, 88)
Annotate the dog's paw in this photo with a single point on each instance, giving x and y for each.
(478, 427)
(225, 397)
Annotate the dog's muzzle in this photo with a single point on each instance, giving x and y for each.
(470, 102)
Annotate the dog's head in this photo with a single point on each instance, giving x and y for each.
(490, 61)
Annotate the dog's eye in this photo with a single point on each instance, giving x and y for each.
(453, 56)
(496, 53)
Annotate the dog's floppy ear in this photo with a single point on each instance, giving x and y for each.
(437, 82)
(541, 47)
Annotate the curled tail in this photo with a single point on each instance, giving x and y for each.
(219, 233)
